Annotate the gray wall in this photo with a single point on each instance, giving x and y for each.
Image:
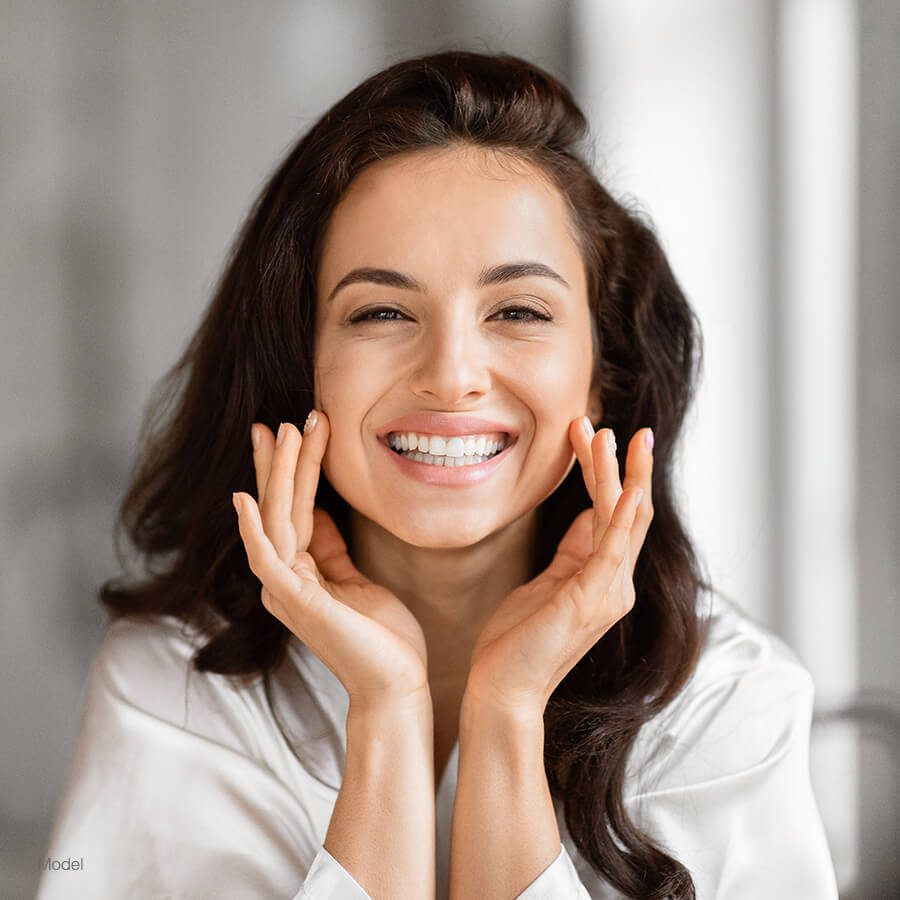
(878, 524)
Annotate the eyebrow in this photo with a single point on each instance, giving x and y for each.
(494, 275)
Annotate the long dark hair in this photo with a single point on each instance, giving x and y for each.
(252, 360)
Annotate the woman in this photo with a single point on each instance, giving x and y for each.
(453, 609)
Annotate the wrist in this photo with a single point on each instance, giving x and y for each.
(412, 707)
(477, 712)
(385, 736)
(480, 700)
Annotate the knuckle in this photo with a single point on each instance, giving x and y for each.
(611, 556)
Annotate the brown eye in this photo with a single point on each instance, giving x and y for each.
(374, 315)
(531, 314)
(388, 314)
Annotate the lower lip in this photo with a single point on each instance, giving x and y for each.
(454, 476)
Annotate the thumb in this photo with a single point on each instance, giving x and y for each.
(329, 550)
(574, 548)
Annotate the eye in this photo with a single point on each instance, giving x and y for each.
(386, 313)
(374, 315)
(533, 314)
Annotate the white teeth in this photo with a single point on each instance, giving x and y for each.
(446, 461)
(456, 447)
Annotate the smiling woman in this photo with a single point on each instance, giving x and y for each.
(451, 607)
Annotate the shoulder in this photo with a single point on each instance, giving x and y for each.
(147, 665)
(739, 647)
(747, 704)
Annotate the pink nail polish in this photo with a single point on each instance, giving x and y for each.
(311, 421)
(648, 438)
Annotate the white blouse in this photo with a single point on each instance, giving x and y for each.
(182, 786)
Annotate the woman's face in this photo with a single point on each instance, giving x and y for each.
(454, 341)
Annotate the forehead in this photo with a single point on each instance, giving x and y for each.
(449, 207)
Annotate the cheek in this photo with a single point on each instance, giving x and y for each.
(343, 380)
(559, 384)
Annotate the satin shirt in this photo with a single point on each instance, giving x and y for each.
(182, 786)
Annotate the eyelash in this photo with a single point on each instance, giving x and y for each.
(367, 315)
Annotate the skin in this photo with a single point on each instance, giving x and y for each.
(443, 216)
(433, 615)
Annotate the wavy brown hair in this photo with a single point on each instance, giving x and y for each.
(252, 360)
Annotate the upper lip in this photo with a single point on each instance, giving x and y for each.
(444, 424)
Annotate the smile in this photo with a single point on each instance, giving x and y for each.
(457, 461)
(436, 450)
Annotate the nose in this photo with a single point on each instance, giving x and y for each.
(452, 363)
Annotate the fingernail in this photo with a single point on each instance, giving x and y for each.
(310, 422)
(648, 438)
(254, 437)
(281, 433)
(237, 503)
(588, 428)
(611, 440)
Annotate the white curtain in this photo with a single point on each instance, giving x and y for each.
(733, 127)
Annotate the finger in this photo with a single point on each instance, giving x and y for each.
(279, 495)
(280, 583)
(306, 479)
(607, 487)
(639, 473)
(581, 441)
(600, 570)
(263, 442)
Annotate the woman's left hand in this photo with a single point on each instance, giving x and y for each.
(541, 630)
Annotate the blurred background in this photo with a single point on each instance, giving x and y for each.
(762, 137)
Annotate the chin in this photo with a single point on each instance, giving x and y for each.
(432, 538)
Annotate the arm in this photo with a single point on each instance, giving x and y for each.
(382, 829)
(501, 769)
(374, 646)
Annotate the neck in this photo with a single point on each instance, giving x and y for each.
(451, 592)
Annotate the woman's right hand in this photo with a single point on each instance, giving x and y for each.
(365, 634)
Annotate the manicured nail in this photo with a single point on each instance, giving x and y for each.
(611, 440)
(648, 438)
(282, 430)
(310, 422)
(588, 428)
(254, 437)
(237, 503)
